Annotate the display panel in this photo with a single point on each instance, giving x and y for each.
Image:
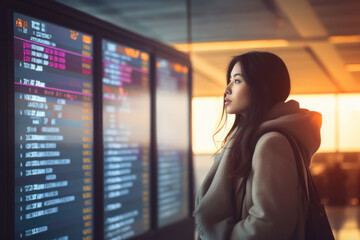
(53, 131)
(126, 137)
(172, 132)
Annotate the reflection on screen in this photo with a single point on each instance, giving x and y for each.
(126, 133)
(53, 131)
(172, 124)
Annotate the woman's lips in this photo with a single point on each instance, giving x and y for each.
(227, 102)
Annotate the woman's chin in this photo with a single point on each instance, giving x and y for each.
(229, 112)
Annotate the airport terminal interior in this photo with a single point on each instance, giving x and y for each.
(112, 108)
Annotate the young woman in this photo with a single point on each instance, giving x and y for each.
(273, 206)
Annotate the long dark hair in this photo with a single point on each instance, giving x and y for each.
(269, 83)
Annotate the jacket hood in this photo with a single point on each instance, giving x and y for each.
(303, 124)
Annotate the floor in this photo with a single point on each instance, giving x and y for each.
(344, 220)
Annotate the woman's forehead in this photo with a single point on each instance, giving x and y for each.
(236, 70)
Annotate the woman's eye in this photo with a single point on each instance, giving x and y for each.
(237, 81)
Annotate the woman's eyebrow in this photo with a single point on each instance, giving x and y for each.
(237, 74)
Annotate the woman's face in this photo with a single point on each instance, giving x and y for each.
(237, 93)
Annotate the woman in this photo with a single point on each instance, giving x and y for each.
(273, 206)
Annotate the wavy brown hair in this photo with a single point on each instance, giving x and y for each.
(269, 83)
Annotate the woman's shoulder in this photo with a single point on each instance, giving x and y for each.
(272, 144)
(271, 139)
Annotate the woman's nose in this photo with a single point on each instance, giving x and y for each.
(227, 90)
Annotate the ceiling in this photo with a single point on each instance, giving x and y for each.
(319, 40)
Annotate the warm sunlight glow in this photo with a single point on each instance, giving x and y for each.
(220, 46)
(340, 129)
(349, 122)
(324, 104)
(206, 113)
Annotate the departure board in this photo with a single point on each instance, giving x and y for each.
(172, 132)
(126, 137)
(53, 131)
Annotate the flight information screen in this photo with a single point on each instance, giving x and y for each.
(126, 137)
(53, 85)
(172, 132)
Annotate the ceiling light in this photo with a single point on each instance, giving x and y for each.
(353, 67)
(231, 45)
(344, 39)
